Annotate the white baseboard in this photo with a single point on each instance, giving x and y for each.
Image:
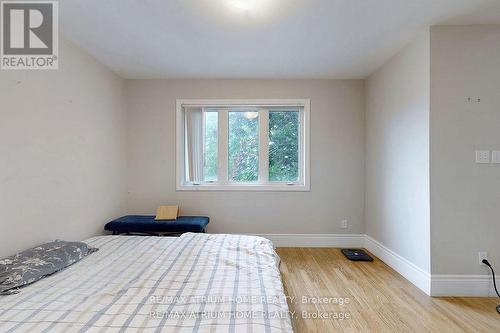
(403, 266)
(410, 271)
(463, 285)
(434, 285)
(315, 240)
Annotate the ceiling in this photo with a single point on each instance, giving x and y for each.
(256, 38)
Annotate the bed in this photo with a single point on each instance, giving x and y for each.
(193, 283)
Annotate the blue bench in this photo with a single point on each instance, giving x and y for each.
(146, 224)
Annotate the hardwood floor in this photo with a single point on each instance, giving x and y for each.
(377, 299)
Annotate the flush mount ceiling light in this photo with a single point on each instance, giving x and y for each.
(244, 12)
(241, 14)
(249, 5)
(244, 5)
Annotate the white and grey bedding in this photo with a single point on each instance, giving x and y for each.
(34, 264)
(194, 283)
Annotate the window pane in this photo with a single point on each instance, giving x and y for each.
(210, 146)
(243, 146)
(283, 146)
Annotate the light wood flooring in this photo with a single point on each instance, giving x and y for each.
(379, 299)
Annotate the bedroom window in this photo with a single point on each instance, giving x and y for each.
(243, 145)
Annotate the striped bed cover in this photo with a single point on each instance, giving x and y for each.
(194, 283)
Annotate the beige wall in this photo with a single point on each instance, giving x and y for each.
(465, 197)
(337, 109)
(397, 154)
(62, 151)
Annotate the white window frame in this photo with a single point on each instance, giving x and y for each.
(223, 184)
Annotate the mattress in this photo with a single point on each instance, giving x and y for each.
(193, 283)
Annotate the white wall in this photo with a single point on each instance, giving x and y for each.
(337, 185)
(465, 197)
(397, 154)
(62, 151)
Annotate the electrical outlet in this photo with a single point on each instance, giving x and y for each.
(343, 224)
(495, 156)
(482, 156)
(482, 255)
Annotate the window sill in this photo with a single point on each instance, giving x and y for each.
(246, 187)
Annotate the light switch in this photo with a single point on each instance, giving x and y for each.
(495, 156)
(482, 156)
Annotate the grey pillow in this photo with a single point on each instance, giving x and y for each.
(34, 264)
